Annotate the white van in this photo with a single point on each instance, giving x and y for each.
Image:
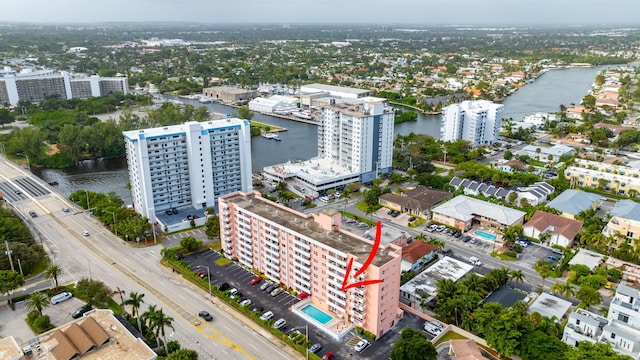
(475, 261)
(325, 199)
(56, 299)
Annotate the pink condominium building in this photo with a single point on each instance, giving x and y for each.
(309, 253)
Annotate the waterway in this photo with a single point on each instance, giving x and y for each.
(300, 141)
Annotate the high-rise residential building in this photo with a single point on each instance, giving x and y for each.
(188, 165)
(309, 253)
(355, 143)
(36, 86)
(357, 136)
(478, 122)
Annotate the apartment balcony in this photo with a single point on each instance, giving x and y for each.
(302, 260)
(302, 245)
(337, 261)
(356, 321)
(302, 281)
(270, 236)
(275, 275)
(336, 300)
(245, 260)
(338, 268)
(302, 274)
(270, 254)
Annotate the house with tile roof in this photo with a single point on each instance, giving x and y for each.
(416, 255)
(417, 201)
(465, 350)
(561, 230)
(571, 202)
(464, 212)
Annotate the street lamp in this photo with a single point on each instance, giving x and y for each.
(114, 221)
(306, 334)
(27, 156)
(208, 277)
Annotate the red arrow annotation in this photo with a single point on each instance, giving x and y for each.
(372, 255)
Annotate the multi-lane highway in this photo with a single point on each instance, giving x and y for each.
(104, 257)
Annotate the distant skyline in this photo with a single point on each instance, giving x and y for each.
(419, 12)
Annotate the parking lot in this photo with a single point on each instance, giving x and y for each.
(238, 277)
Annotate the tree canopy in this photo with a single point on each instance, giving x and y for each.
(413, 345)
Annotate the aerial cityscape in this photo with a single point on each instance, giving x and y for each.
(176, 187)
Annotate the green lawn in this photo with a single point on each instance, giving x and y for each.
(222, 261)
(503, 256)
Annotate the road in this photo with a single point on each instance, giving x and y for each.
(103, 256)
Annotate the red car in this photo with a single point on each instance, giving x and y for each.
(255, 280)
(303, 295)
(328, 356)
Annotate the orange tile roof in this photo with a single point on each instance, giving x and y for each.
(417, 249)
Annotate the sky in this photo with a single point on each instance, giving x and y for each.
(512, 12)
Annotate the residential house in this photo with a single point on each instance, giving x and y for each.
(621, 329)
(512, 166)
(571, 202)
(463, 212)
(422, 288)
(546, 154)
(417, 254)
(417, 201)
(465, 350)
(561, 230)
(535, 194)
(472, 187)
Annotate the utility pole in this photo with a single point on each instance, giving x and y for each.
(8, 252)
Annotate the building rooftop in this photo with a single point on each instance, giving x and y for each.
(422, 198)
(97, 335)
(425, 282)
(466, 208)
(181, 128)
(417, 249)
(466, 350)
(574, 201)
(550, 306)
(9, 348)
(316, 171)
(626, 209)
(554, 224)
(333, 89)
(587, 258)
(341, 240)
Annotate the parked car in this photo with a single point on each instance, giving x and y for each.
(81, 311)
(303, 295)
(328, 356)
(264, 286)
(246, 302)
(65, 209)
(473, 240)
(280, 324)
(440, 228)
(361, 345)
(266, 316)
(255, 280)
(412, 219)
(169, 212)
(277, 291)
(224, 287)
(205, 315)
(270, 288)
(553, 257)
(389, 212)
(315, 348)
(63, 296)
(33, 214)
(433, 327)
(466, 238)
(257, 309)
(457, 234)
(293, 334)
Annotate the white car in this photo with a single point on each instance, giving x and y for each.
(246, 302)
(266, 316)
(361, 345)
(85, 233)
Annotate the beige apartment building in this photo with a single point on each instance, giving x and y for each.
(624, 223)
(592, 174)
(310, 253)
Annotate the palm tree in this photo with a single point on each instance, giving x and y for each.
(420, 237)
(120, 292)
(563, 289)
(346, 195)
(160, 321)
(135, 300)
(37, 301)
(52, 272)
(149, 319)
(475, 283)
(439, 243)
(517, 276)
(544, 270)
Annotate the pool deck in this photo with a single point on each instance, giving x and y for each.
(486, 231)
(336, 328)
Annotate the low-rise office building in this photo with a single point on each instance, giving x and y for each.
(310, 253)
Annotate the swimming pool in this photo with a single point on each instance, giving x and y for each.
(317, 314)
(485, 235)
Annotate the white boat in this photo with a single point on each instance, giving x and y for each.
(205, 99)
(303, 115)
(271, 136)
